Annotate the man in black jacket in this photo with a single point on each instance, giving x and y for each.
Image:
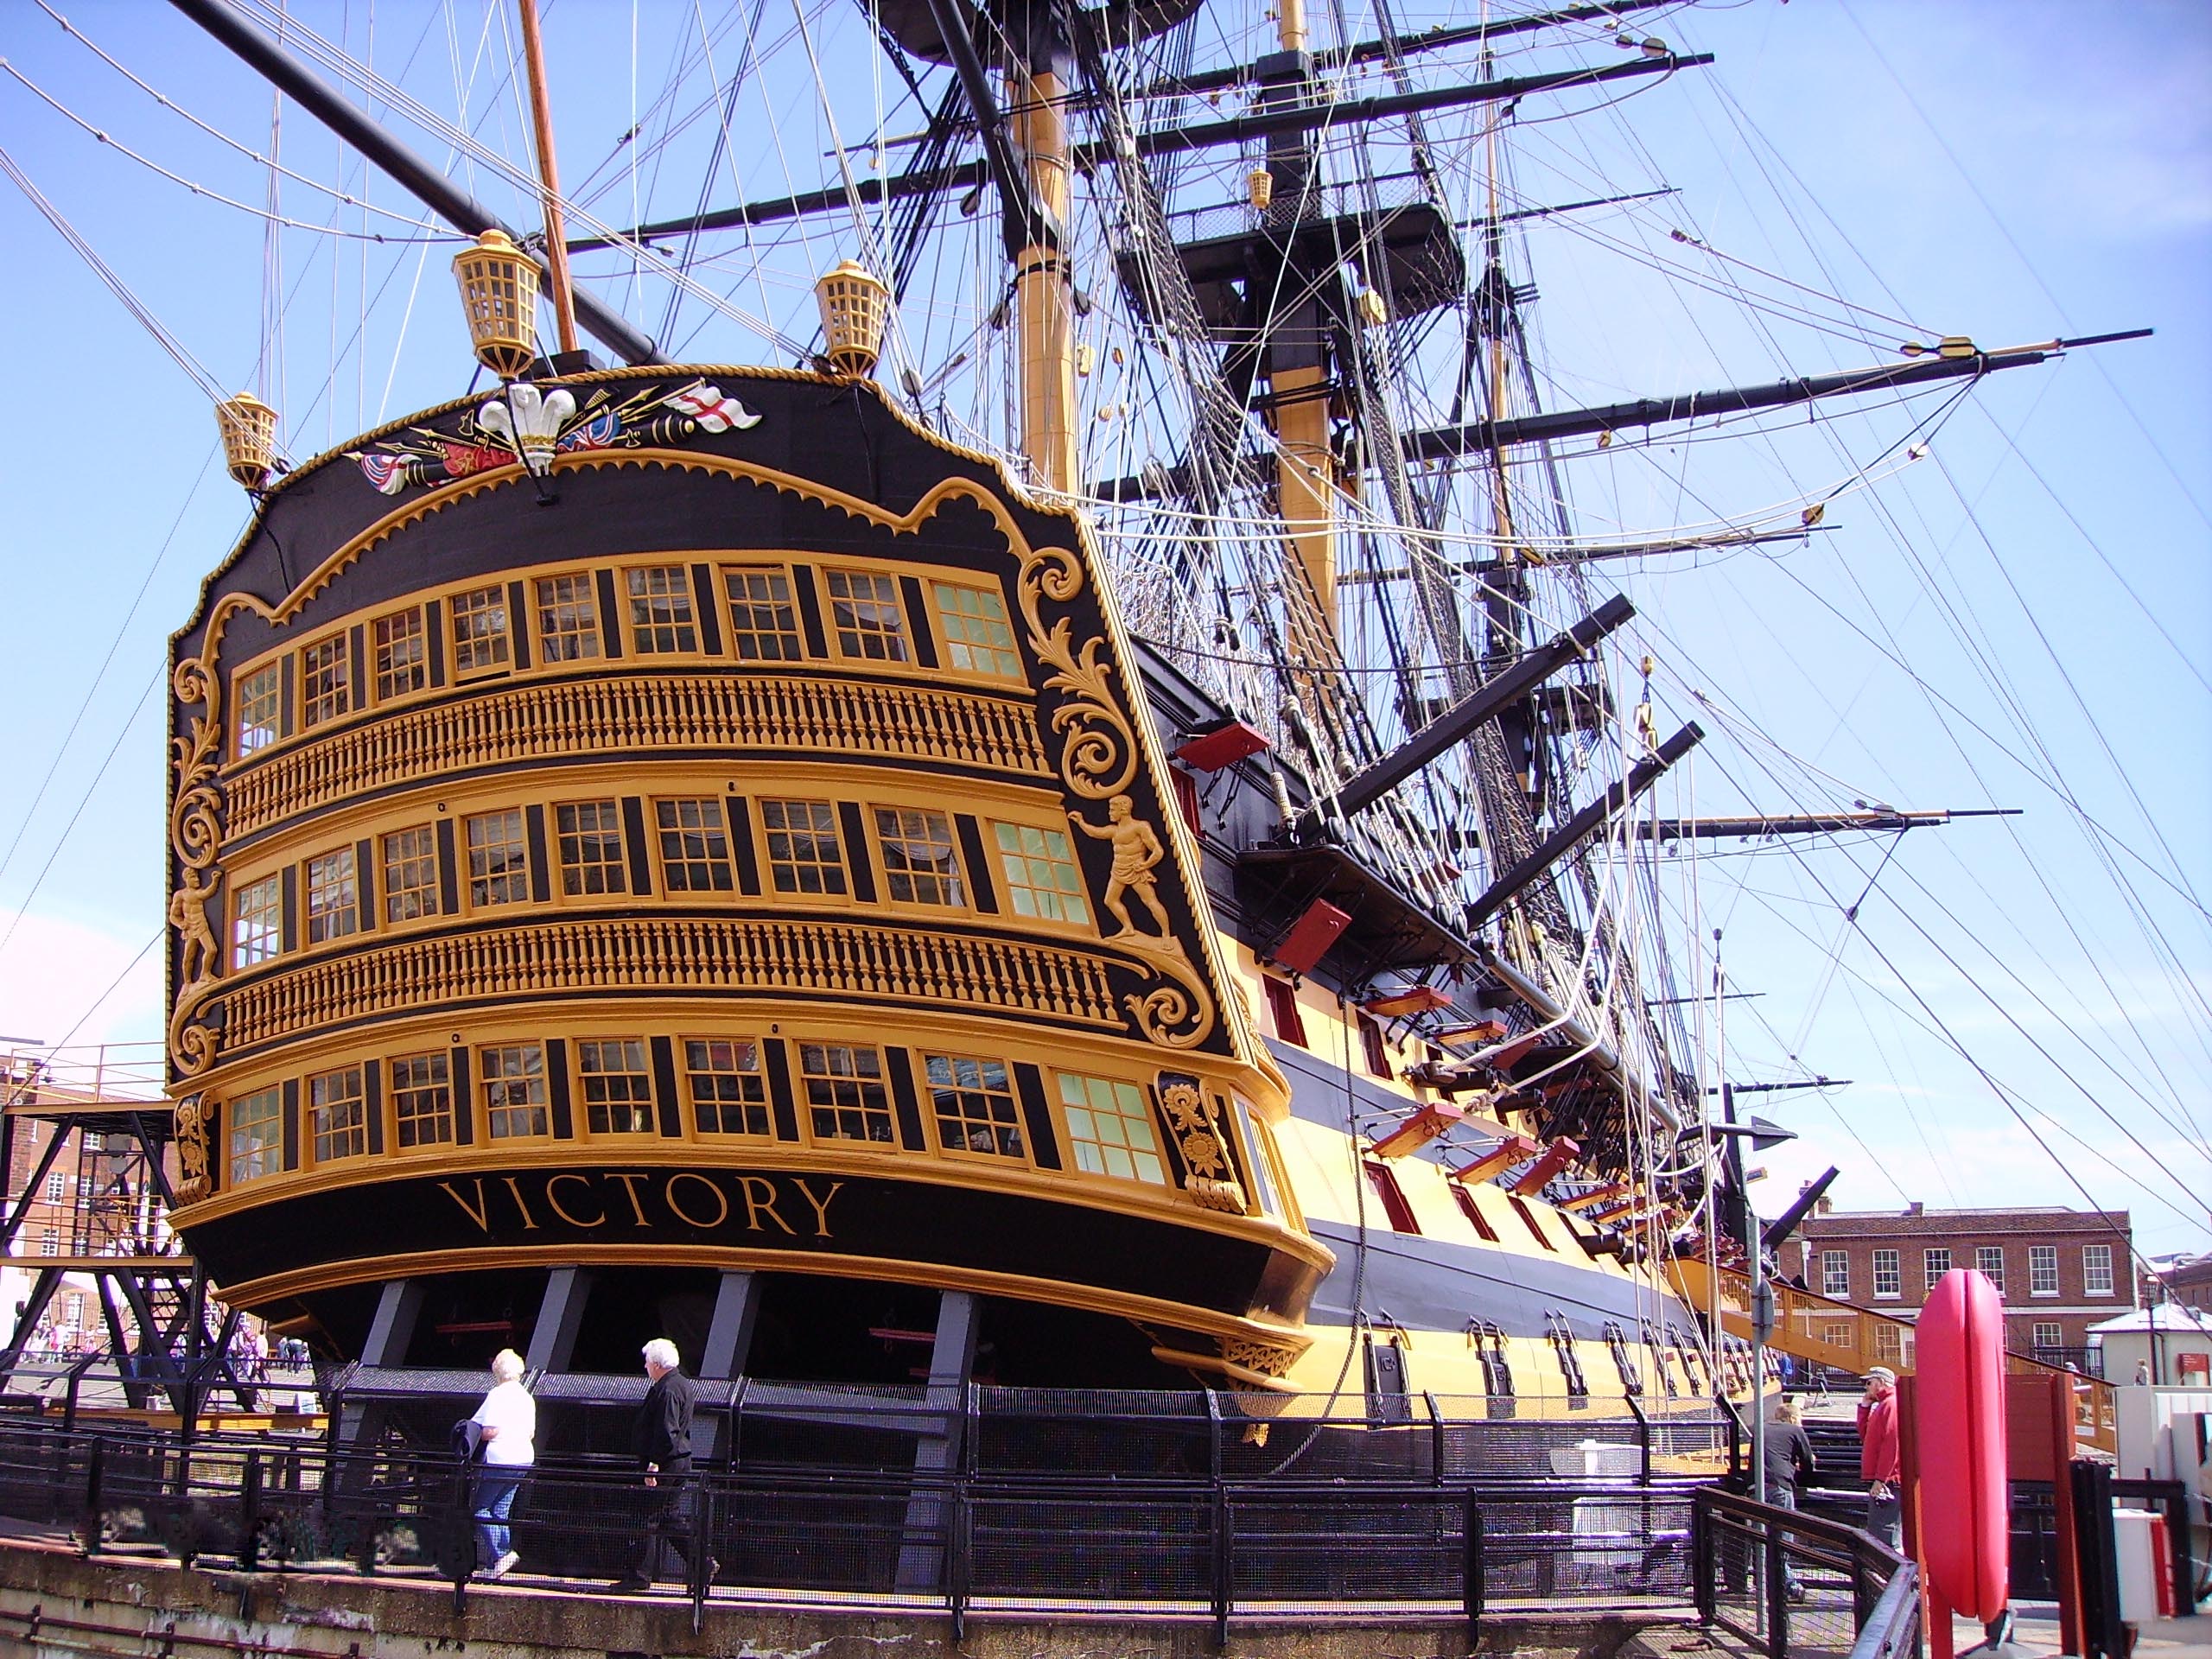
(661, 1439)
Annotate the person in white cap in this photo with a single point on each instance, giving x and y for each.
(1878, 1452)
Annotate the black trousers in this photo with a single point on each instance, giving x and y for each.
(665, 1553)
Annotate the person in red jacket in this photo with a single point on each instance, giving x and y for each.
(1878, 1452)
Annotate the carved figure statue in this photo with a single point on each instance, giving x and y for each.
(1136, 850)
(197, 955)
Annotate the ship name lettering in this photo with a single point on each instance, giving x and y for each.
(821, 1204)
(553, 1200)
(721, 1203)
(479, 1212)
(756, 1208)
(629, 1179)
(707, 1209)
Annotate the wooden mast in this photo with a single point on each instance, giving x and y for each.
(1299, 388)
(549, 175)
(1044, 296)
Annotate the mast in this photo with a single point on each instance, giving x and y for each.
(1296, 356)
(549, 176)
(1044, 292)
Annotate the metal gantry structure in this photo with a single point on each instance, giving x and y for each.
(97, 1138)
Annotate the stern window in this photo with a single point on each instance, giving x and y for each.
(590, 837)
(976, 637)
(257, 927)
(974, 1103)
(260, 707)
(410, 874)
(660, 610)
(333, 897)
(803, 852)
(338, 1105)
(617, 1086)
(919, 864)
(325, 680)
(763, 627)
(694, 849)
(1110, 1128)
(257, 1136)
(866, 612)
(422, 1101)
(1041, 878)
(403, 659)
(479, 630)
(514, 1092)
(729, 1096)
(845, 1098)
(568, 618)
(498, 859)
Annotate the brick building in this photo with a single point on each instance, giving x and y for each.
(2060, 1271)
(2188, 1281)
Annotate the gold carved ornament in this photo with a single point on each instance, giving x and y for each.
(1196, 1121)
(193, 1113)
(1097, 763)
(196, 838)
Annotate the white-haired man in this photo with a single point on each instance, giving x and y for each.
(506, 1432)
(661, 1438)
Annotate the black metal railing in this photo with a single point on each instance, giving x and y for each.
(1045, 1508)
(1794, 1583)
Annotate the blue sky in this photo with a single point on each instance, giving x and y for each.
(2022, 620)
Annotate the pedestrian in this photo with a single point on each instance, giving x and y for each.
(1788, 1459)
(2142, 1373)
(1878, 1454)
(506, 1435)
(661, 1439)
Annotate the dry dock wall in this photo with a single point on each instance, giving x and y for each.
(56, 1605)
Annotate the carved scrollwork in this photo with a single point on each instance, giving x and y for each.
(1100, 758)
(1269, 1359)
(192, 1043)
(193, 1113)
(1197, 1124)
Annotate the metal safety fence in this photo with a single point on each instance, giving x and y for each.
(1794, 1583)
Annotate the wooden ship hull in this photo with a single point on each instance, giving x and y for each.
(743, 842)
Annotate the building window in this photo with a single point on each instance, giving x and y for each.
(1041, 878)
(257, 1136)
(1888, 1345)
(1383, 1183)
(866, 612)
(763, 628)
(1889, 1282)
(694, 849)
(2096, 1269)
(803, 852)
(260, 707)
(1110, 1128)
(410, 874)
(846, 1099)
(976, 637)
(402, 656)
(479, 630)
(729, 1096)
(590, 844)
(1935, 1264)
(325, 680)
(498, 859)
(2042, 1269)
(1836, 1273)
(1282, 1010)
(422, 1101)
(920, 866)
(49, 1243)
(974, 1103)
(660, 610)
(2049, 1333)
(258, 928)
(1990, 1259)
(617, 1086)
(514, 1092)
(333, 897)
(339, 1113)
(568, 618)
(57, 1186)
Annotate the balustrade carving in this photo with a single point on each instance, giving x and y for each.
(628, 716)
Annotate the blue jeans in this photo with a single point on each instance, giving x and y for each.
(492, 1497)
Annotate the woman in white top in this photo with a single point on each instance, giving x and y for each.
(506, 1432)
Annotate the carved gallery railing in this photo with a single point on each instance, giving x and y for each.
(845, 959)
(638, 714)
